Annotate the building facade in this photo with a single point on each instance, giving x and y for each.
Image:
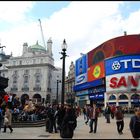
(69, 84)
(110, 73)
(31, 75)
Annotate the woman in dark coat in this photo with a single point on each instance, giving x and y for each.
(69, 123)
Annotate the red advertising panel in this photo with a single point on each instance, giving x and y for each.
(96, 72)
(123, 45)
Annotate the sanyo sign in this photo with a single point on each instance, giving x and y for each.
(123, 64)
(123, 73)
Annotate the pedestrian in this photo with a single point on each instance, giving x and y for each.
(134, 124)
(69, 123)
(107, 113)
(1, 118)
(52, 119)
(87, 114)
(119, 119)
(113, 109)
(93, 116)
(8, 120)
(84, 112)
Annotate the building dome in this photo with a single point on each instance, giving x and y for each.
(37, 47)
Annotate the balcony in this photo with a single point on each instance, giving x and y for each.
(14, 89)
(25, 89)
(37, 88)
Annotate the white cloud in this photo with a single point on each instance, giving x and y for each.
(84, 25)
(13, 11)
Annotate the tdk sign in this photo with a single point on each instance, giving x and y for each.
(122, 64)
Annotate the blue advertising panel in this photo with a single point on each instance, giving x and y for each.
(122, 64)
(97, 96)
(89, 84)
(81, 65)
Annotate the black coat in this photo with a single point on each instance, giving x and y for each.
(68, 125)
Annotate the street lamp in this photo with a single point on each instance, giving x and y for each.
(58, 81)
(64, 47)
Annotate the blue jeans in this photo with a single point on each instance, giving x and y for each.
(95, 124)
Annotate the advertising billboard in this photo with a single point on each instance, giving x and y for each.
(96, 72)
(123, 73)
(123, 45)
(81, 70)
(122, 64)
(124, 82)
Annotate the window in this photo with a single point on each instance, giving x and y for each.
(37, 79)
(112, 97)
(26, 72)
(20, 62)
(123, 97)
(14, 63)
(34, 61)
(26, 79)
(14, 80)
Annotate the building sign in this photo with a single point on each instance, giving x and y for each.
(87, 85)
(123, 45)
(96, 96)
(82, 93)
(81, 70)
(81, 79)
(96, 72)
(122, 64)
(96, 90)
(126, 82)
(81, 65)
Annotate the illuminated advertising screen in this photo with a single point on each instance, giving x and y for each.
(96, 72)
(81, 70)
(123, 73)
(122, 64)
(123, 45)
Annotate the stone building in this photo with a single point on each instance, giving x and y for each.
(32, 74)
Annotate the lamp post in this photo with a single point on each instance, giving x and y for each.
(58, 81)
(64, 47)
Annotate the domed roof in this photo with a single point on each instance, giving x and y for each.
(38, 47)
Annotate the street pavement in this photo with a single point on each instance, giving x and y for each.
(104, 131)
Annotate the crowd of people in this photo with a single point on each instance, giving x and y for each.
(63, 118)
(91, 114)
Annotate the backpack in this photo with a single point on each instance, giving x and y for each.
(136, 133)
(119, 115)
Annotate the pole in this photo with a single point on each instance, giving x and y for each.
(63, 75)
(57, 93)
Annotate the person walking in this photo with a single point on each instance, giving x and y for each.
(93, 116)
(134, 124)
(87, 114)
(1, 119)
(119, 119)
(8, 120)
(69, 123)
(107, 113)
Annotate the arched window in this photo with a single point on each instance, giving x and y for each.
(135, 96)
(112, 97)
(123, 97)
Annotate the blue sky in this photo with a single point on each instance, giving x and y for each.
(84, 24)
(45, 9)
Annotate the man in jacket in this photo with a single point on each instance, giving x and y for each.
(93, 116)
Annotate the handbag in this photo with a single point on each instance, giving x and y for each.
(6, 120)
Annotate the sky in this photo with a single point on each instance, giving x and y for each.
(84, 24)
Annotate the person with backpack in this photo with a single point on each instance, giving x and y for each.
(119, 119)
(69, 123)
(134, 124)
